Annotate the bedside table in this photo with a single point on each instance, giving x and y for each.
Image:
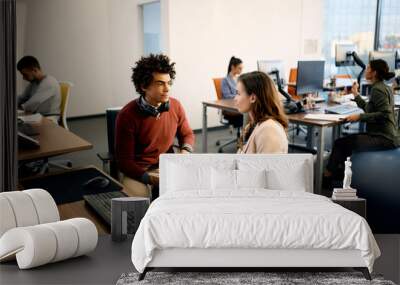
(358, 205)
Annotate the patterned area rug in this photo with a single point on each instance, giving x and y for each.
(225, 278)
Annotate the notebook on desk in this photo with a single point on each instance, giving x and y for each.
(396, 100)
(26, 142)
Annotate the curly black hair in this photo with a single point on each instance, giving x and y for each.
(142, 74)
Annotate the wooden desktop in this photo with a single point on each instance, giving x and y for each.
(54, 140)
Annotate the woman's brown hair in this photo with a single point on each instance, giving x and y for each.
(267, 105)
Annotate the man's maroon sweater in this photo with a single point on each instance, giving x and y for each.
(140, 138)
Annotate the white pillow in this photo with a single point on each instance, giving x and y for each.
(223, 179)
(293, 180)
(182, 177)
(235, 179)
(251, 178)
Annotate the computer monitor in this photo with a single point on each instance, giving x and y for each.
(388, 56)
(343, 54)
(268, 66)
(310, 76)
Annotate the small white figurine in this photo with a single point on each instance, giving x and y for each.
(347, 174)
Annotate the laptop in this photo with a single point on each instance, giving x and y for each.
(343, 110)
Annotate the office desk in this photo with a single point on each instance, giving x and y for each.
(321, 126)
(54, 140)
(80, 209)
(77, 208)
(224, 104)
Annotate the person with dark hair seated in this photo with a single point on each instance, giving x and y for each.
(147, 126)
(229, 90)
(43, 94)
(382, 130)
(235, 68)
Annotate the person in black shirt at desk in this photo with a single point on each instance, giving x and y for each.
(382, 130)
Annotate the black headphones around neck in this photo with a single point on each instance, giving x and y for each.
(149, 110)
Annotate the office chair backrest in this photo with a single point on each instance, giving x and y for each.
(218, 87)
(65, 88)
(292, 79)
(111, 116)
(343, 76)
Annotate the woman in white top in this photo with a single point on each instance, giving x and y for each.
(266, 131)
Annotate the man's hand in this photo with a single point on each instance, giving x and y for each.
(353, 118)
(354, 89)
(154, 179)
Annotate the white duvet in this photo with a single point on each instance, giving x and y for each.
(253, 218)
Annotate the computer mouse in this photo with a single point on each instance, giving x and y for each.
(97, 182)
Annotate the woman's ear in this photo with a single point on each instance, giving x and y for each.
(253, 98)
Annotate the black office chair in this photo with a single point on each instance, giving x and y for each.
(108, 158)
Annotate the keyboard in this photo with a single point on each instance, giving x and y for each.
(343, 110)
(318, 99)
(101, 204)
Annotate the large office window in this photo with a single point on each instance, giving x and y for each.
(348, 21)
(151, 28)
(389, 28)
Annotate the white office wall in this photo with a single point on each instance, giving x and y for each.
(94, 43)
(88, 42)
(205, 34)
(21, 10)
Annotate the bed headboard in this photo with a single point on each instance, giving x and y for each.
(301, 165)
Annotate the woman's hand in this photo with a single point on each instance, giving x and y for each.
(353, 118)
(354, 89)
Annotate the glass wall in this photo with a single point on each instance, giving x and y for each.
(348, 21)
(151, 28)
(389, 30)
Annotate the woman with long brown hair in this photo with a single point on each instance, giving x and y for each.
(266, 131)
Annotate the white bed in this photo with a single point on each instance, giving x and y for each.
(221, 211)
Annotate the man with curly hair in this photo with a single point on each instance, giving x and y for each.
(147, 126)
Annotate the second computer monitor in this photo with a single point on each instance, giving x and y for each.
(388, 56)
(268, 66)
(310, 76)
(343, 54)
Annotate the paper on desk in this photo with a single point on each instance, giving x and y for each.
(325, 117)
(31, 119)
